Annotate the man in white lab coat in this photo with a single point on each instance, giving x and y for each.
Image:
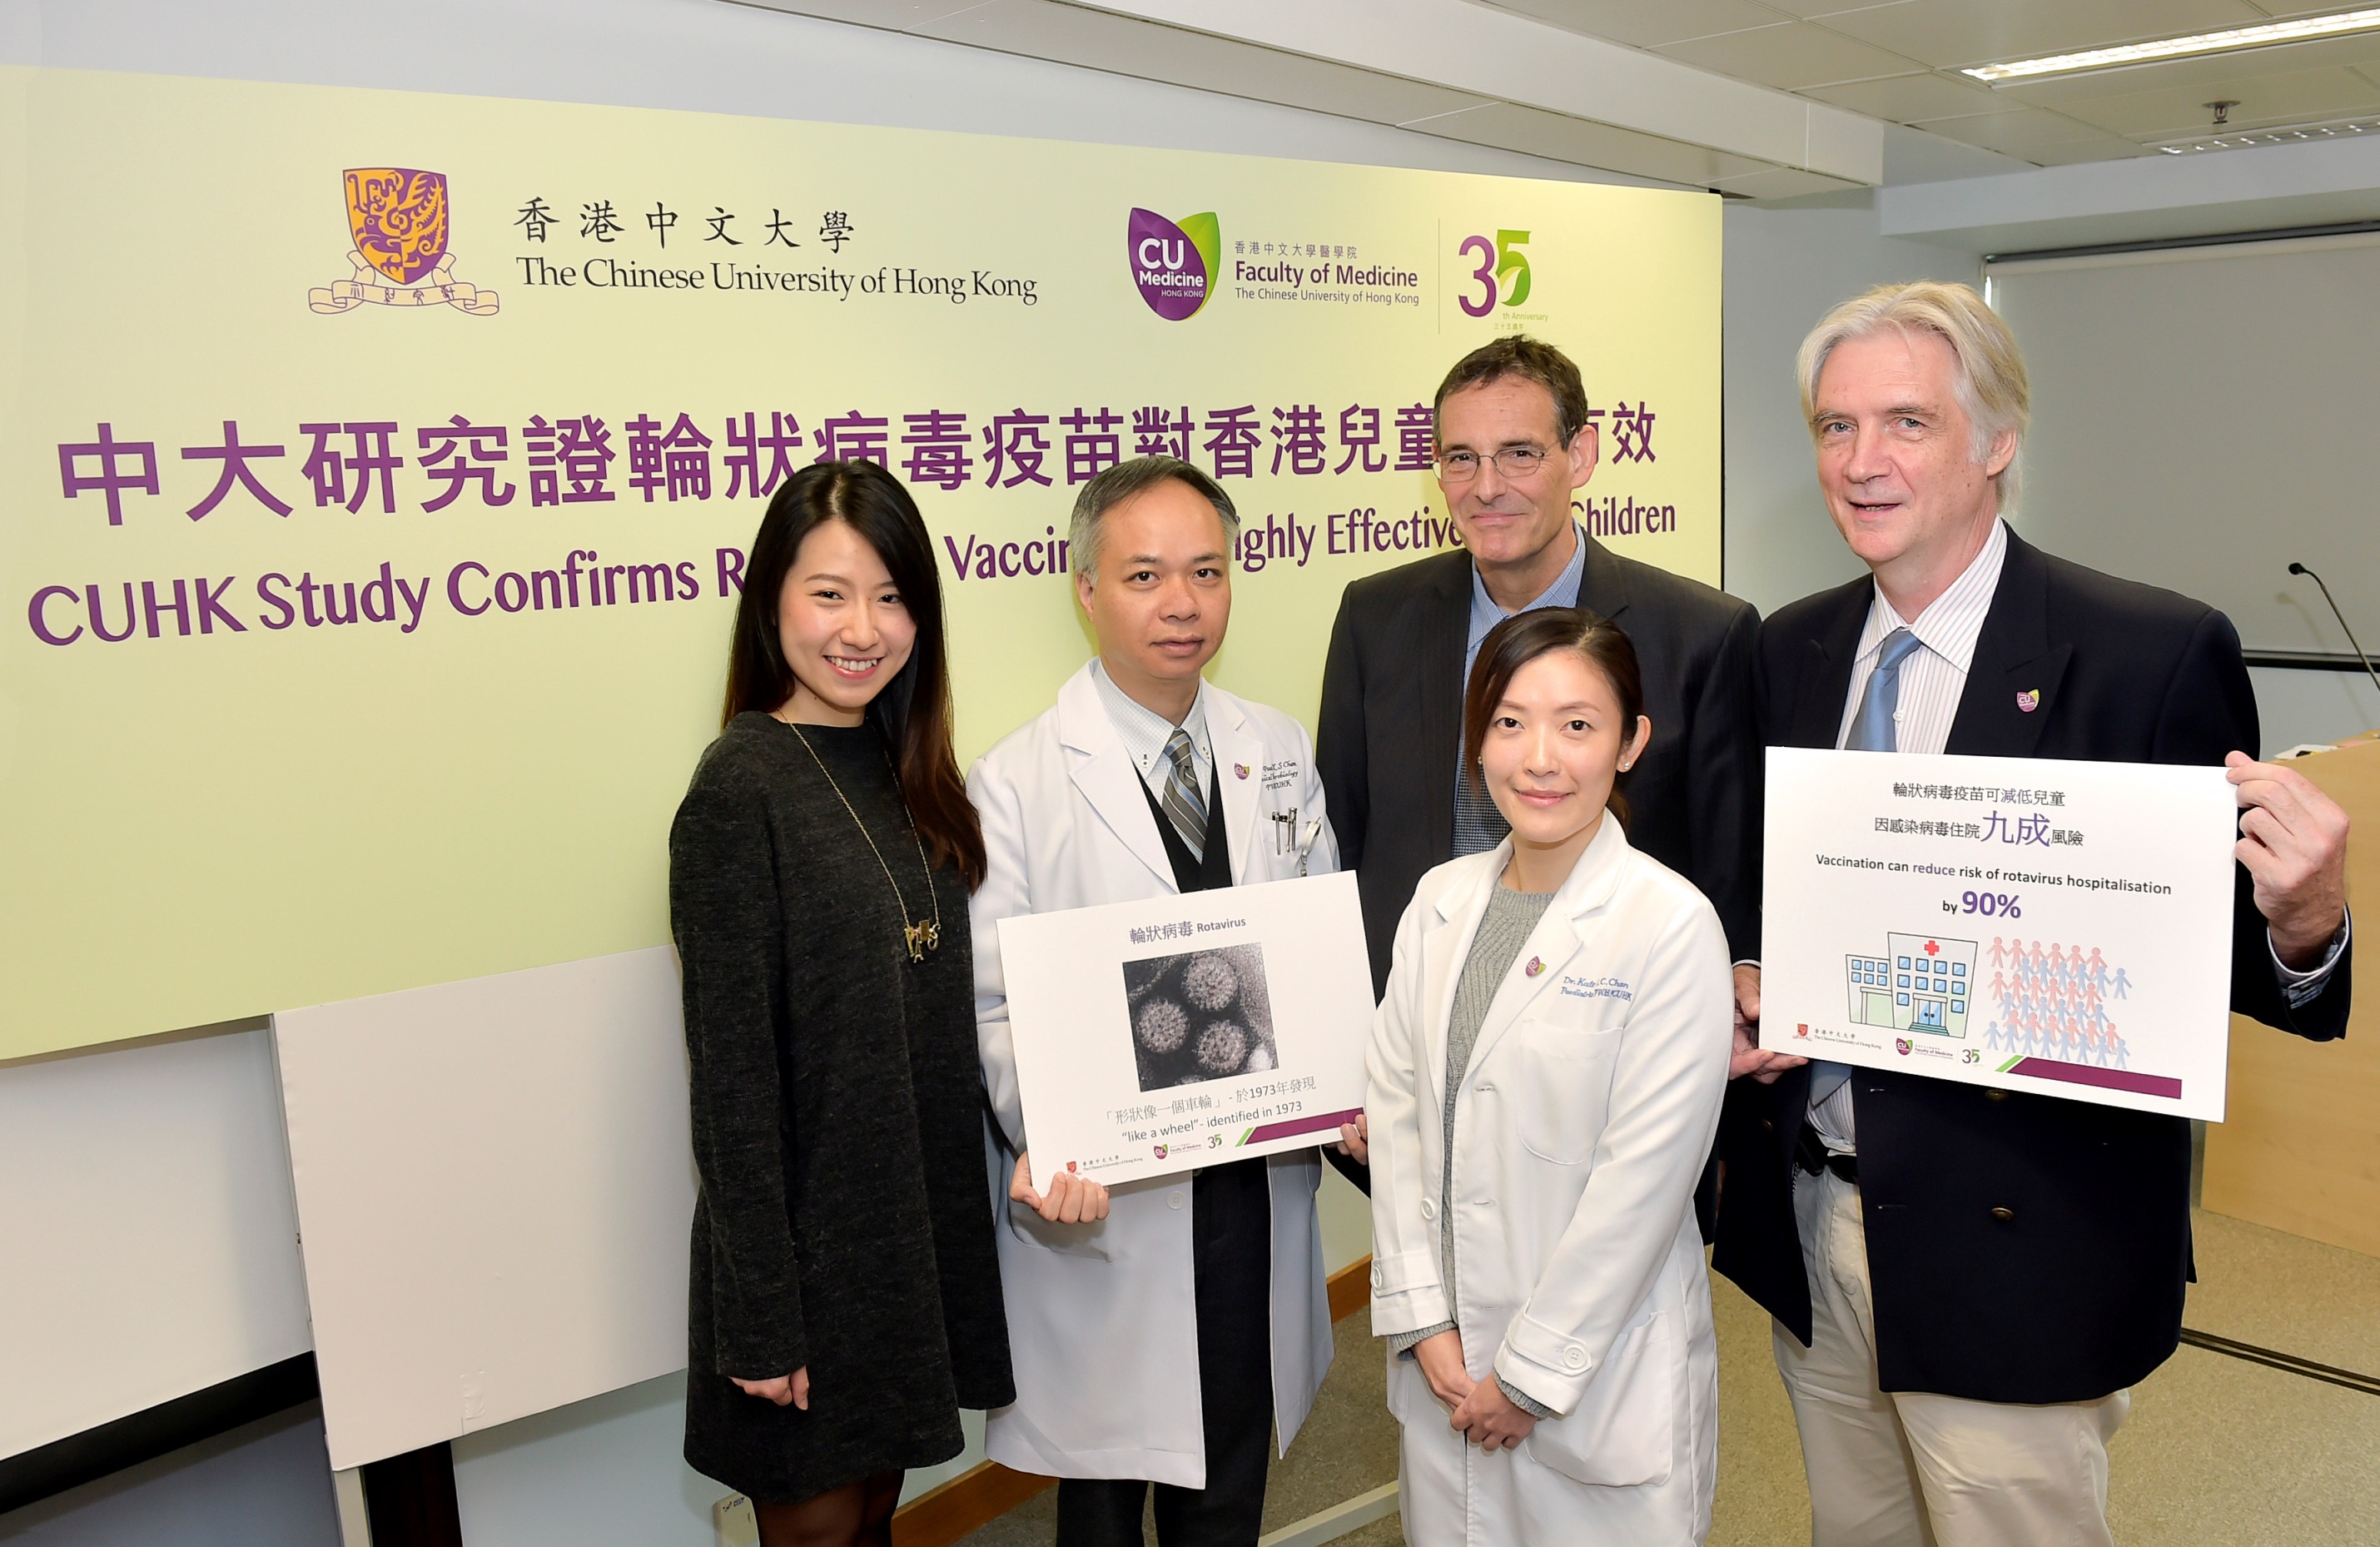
(1159, 1330)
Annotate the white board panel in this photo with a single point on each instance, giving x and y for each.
(2200, 417)
(493, 1187)
(147, 1247)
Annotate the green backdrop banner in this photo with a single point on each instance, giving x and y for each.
(379, 467)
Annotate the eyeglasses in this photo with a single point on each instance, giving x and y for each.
(1514, 461)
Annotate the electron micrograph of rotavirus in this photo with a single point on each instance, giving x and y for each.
(1205, 1015)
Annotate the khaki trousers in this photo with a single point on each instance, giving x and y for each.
(1915, 1468)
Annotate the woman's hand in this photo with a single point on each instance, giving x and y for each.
(785, 1391)
(1354, 1138)
(1488, 1419)
(1071, 1199)
(1441, 1357)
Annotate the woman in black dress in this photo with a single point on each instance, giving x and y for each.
(845, 1298)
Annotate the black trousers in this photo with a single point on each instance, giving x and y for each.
(1230, 1230)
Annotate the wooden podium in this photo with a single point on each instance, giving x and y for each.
(2299, 1146)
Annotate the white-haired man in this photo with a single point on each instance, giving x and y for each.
(1965, 1282)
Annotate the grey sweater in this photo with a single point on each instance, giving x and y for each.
(1511, 918)
(841, 1222)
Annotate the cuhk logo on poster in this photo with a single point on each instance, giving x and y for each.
(1173, 264)
(397, 217)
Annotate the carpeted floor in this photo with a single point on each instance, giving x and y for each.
(2220, 1452)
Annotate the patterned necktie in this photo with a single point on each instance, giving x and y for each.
(1872, 730)
(1183, 805)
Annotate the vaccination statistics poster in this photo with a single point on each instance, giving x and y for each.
(2031, 924)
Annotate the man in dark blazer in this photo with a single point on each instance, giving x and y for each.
(1965, 1281)
(1515, 441)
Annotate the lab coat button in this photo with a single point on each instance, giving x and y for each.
(1573, 1358)
(1173, 1198)
(1379, 1278)
(1485, 1088)
(1428, 1209)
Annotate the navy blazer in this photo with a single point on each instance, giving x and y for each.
(2022, 1248)
(1391, 731)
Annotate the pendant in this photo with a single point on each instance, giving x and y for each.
(923, 937)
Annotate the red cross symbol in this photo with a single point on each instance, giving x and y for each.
(1931, 948)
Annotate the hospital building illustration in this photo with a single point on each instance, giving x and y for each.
(1921, 984)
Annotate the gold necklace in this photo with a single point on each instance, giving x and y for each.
(926, 933)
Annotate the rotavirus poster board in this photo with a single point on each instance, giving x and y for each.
(1186, 1030)
(2033, 924)
(379, 469)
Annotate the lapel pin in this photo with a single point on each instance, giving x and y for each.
(1241, 769)
(2029, 700)
(1537, 965)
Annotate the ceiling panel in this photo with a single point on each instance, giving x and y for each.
(1536, 132)
(1951, 32)
(2308, 96)
(2078, 150)
(2025, 131)
(1044, 29)
(1643, 26)
(1781, 182)
(1905, 99)
(1808, 9)
(1792, 54)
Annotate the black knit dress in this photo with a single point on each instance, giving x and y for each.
(842, 1220)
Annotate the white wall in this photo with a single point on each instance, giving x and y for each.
(1786, 266)
(148, 1245)
(2294, 707)
(702, 56)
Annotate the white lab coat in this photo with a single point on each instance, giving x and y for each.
(1580, 1127)
(1102, 1319)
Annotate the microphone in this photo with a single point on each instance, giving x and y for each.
(2296, 569)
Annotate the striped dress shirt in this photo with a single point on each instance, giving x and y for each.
(1145, 733)
(1932, 677)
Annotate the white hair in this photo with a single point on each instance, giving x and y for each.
(1988, 379)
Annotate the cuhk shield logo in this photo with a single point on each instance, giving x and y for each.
(1175, 266)
(1801, 1029)
(397, 218)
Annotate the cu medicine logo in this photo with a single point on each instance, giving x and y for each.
(397, 218)
(1173, 264)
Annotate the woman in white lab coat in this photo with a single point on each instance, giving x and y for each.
(1544, 1079)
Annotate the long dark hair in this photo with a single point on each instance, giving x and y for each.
(1524, 636)
(913, 712)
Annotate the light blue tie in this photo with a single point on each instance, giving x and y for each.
(1872, 730)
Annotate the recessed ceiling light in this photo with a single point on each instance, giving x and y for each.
(2277, 134)
(2261, 35)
